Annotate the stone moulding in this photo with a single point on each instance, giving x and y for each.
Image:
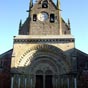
(43, 40)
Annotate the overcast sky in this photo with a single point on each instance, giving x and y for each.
(11, 11)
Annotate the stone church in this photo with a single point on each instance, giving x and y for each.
(44, 53)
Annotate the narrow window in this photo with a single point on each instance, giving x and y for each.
(45, 4)
(52, 18)
(34, 17)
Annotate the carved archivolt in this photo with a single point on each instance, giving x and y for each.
(46, 57)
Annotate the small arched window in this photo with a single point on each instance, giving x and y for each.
(34, 17)
(45, 4)
(52, 18)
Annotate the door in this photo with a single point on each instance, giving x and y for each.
(48, 81)
(39, 81)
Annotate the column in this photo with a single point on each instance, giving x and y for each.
(31, 82)
(68, 84)
(75, 83)
(28, 81)
(25, 81)
(12, 81)
(19, 82)
(59, 82)
(62, 82)
(44, 81)
(54, 81)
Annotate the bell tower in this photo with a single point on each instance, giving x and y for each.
(44, 19)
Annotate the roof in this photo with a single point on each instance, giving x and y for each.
(6, 54)
(81, 52)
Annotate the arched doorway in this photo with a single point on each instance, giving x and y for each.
(42, 66)
(44, 80)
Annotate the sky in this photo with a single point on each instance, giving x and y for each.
(11, 11)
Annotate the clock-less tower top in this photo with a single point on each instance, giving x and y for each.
(44, 19)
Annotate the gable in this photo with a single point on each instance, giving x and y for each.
(34, 25)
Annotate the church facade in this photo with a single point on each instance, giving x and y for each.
(44, 53)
